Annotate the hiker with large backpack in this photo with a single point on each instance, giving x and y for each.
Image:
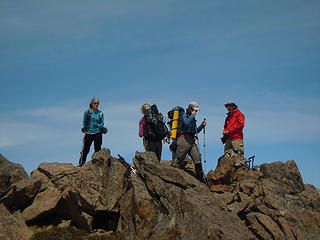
(93, 121)
(186, 140)
(153, 129)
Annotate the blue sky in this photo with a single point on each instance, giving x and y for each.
(56, 55)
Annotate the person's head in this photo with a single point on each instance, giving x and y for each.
(144, 108)
(230, 106)
(94, 103)
(193, 106)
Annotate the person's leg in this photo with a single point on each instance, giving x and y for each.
(147, 144)
(158, 149)
(196, 158)
(238, 147)
(238, 150)
(195, 154)
(97, 142)
(87, 141)
(174, 156)
(153, 146)
(183, 147)
(228, 149)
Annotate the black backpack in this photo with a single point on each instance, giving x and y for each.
(156, 128)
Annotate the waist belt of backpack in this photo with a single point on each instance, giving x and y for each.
(187, 136)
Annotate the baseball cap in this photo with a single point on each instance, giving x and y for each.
(194, 105)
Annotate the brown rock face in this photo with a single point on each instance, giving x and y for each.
(157, 201)
(12, 227)
(180, 206)
(271, 199)
(9, 174)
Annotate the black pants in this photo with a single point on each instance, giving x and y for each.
(153, 146)
(87, 141)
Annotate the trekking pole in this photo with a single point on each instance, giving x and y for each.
(204, 148)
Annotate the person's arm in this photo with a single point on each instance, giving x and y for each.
(225, 124)
(84, 118)
(142, 124)
(101, 121)
(83, 129)
(200, 128)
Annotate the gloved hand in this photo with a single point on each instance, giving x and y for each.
(104, 130)
(95, 126)
(83, 129)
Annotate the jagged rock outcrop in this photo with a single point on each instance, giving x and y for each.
(9, 174)
(271, 199)
(157, 201)
(13, 226)
(182, 206)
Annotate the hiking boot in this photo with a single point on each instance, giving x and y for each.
(176, 165)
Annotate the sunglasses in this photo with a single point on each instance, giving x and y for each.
(96, 103)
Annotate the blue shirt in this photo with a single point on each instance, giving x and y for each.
(96, 121)
(189, 126)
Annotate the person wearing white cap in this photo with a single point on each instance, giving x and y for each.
(93, 121)
(186, 140)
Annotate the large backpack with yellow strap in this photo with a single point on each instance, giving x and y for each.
(175, 125)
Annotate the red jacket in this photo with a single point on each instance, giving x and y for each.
(234, 124)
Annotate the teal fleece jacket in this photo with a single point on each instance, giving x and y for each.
(95, 124)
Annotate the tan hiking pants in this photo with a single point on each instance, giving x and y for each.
(234, 147)
(186, 146)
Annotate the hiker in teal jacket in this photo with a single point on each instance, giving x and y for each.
(93, 121)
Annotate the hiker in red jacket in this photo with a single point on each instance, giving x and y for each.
(232, 133)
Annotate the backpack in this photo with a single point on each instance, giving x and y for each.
(156, 128)
(175, 124)
(175, 115)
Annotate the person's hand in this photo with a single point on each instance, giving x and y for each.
(95, 126)
(204, 123)
(83, 129)
(168, 140)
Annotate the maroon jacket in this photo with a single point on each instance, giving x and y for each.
(142, 125)
(234, 124)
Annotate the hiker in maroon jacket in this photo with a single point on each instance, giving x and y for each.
(232, 132)
(149, 144)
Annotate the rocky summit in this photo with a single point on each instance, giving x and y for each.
(152, 200)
